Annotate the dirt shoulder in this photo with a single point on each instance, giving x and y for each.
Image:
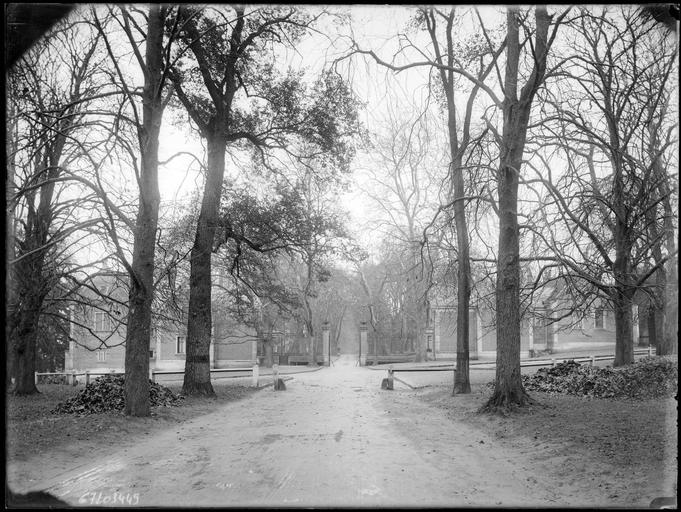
(32, 430)
(621, 450)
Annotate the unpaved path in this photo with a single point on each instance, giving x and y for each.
(333, 438)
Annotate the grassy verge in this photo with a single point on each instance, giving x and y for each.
(32, 429)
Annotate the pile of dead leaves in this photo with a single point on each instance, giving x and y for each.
(651, 377)
(108, 394)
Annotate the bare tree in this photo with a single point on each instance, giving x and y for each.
(403, 164)
(48, 115)
(608, 198)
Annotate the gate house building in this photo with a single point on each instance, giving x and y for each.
(98, 334)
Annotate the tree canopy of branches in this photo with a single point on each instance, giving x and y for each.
(234, 94)
(610, 201)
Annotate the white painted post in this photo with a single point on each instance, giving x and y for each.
(275, 375)
(35, 378)
(650, 350)
(593, 360)
(87, 377)
(553, 362)
(256, 374)
(151, 374)
(326, 343)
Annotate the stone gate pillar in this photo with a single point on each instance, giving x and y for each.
(363, 344)
(326, 343)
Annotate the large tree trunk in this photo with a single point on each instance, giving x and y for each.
(141, 295)
(31, 282)
(25, 342)
(508, 386)
(624, 332)
(268, 349)
(197, 364)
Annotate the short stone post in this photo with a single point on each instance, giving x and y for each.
(389, 382)
(593, 360)
(151, 374)
(278, 383)
(326, 343)
(363, 345)
(650, 350)
(553, 362)
(35, 378)
(256, 374)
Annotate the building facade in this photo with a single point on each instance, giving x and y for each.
(98, 334)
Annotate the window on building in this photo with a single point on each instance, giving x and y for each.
(180, 345)
(599, 319)
(102, 322)
(101, 355)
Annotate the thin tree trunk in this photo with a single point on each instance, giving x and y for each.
(462, 374)
(141, 295)
(197, 364)
(11, 143)
(669, 342)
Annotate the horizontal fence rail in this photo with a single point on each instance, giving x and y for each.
(71, 376)
(543, 362)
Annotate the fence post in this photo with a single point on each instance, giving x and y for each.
(650, 350)
(35, 378)
(553, 362)
(151, 374)
(593, 360)
(275, 375)
(87, 377)
(390, 377)
(256, 374)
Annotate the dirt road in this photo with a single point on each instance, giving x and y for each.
(333, 438)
